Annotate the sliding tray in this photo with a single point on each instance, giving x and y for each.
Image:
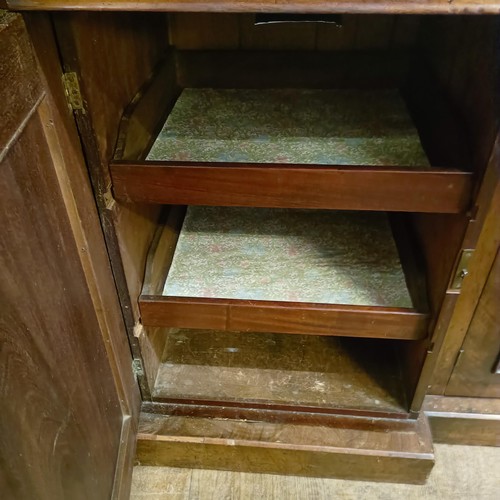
(275, 147)
(314, 272)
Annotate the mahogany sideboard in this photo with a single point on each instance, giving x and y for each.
(133, 192)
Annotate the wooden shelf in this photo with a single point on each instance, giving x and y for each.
(291, 148)
(285, 271)
(281, 372)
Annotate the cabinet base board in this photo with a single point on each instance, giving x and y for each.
(466, 421)
(352, 448)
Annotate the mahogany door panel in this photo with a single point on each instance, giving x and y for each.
(63, 400)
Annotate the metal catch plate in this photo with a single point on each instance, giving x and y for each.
(137, 368)
(462, 270)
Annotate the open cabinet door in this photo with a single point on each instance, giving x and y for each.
(68, 398)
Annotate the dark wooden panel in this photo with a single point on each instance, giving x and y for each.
(162, 251)
(476, 79)
(152, 342)
(71, 170)
(337, 451)
(399, 421)
(387, 32)
(440, 237)
(330, 37)
(285, 36)
(463, 54)
(374, 32)
(465, 421)
(17, 66)
(405, 31)
(189, 30)
(282, 317)
(348, 188)
(440, 126)
(319, 6)
(412, 261)
(475, 374)
(144, 116)
(291, 69)
(61, 417)
(66, 385)
(465, 430)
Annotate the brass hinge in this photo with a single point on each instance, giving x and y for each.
(461, 271)
(72, 90)
(137, 368)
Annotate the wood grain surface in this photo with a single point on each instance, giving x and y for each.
(369, 69)
(128, 228)
(282, 372)
(464, 420)
(317, 6)
(72, 174)
(61, 417)
(289, 186)
(162, 250)
(16, 107)
(97, 47)
(286, 448)
(282, 317)
(142, 117)
(209, 31)
(310, 416)
(70, 401)
(463, 55)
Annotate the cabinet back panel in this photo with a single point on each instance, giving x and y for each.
(207, 31)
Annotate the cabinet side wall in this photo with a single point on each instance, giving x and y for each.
(462, 53)
(113, 55)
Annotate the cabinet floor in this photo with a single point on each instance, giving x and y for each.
(274, 369)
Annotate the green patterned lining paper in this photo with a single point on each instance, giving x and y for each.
(319, 256)
(328, 127)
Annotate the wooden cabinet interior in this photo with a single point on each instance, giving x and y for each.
(132, 67)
